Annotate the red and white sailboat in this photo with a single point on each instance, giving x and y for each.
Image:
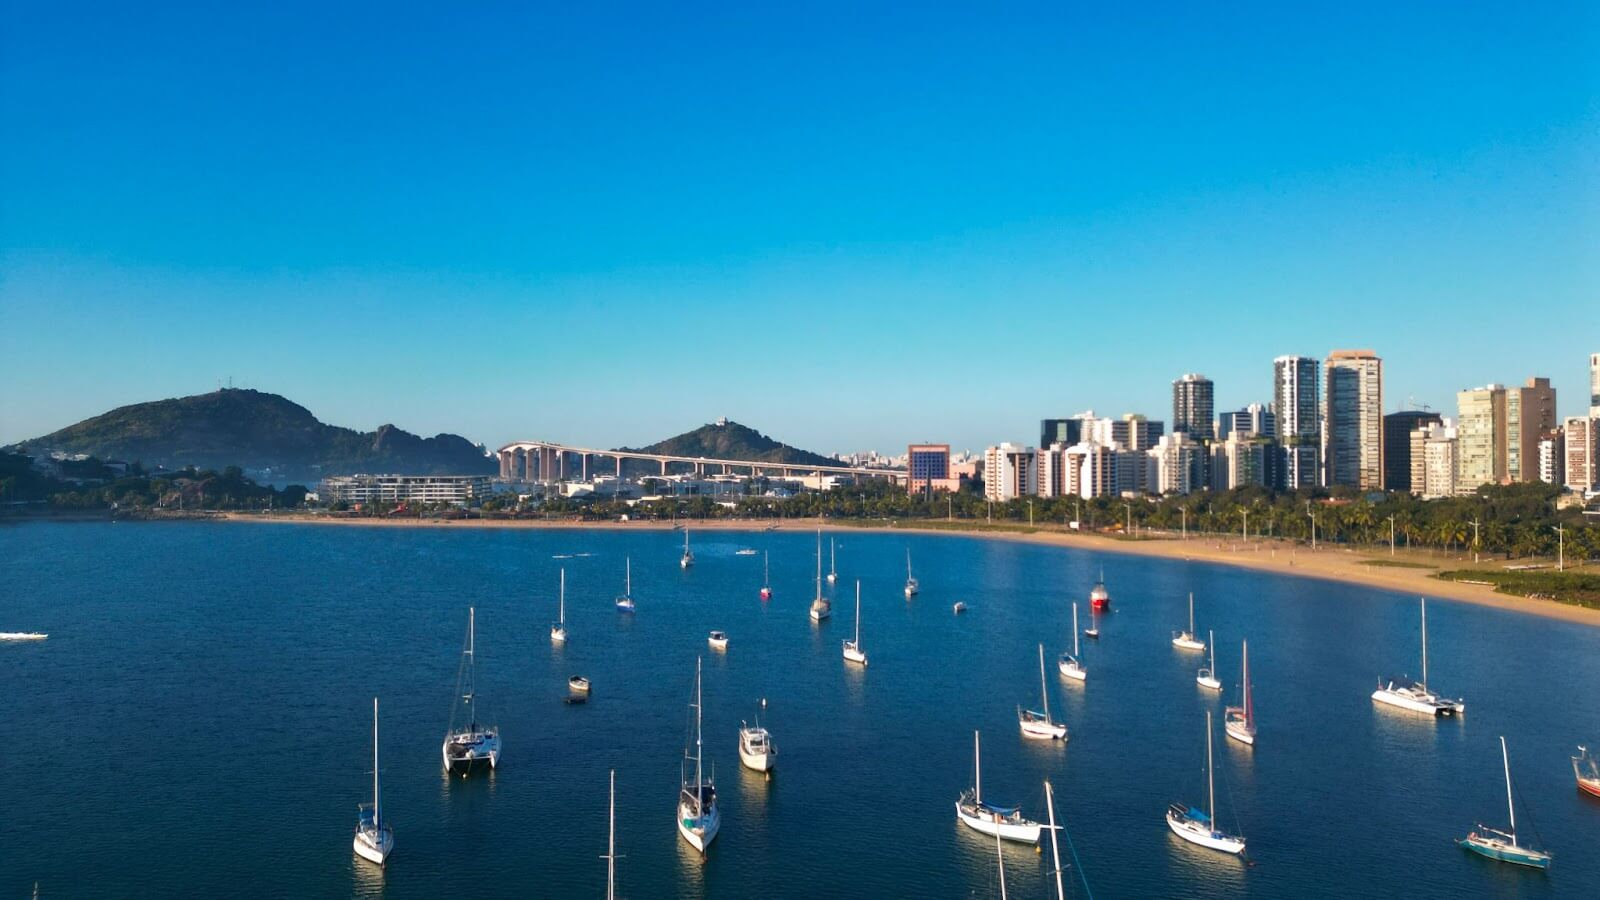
(1099, 598)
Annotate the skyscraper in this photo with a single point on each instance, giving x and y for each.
(1594, 385)
(1294, 393)
(1579, 433)
(1480, 437)
(1353, 430)
(1530, 414)
(1060, 431)
(1398, 463)
(1192, 407)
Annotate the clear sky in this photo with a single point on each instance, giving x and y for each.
(848, 228)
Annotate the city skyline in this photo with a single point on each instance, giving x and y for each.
(490, 239)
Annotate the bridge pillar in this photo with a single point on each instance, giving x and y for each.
(663, 468)
(585, 458)
(619, 468)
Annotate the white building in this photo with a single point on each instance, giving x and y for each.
(1178, 461)
(1439, 463)
(1009, 472)
(457, 489)
(1294, 399)
(1050, 480)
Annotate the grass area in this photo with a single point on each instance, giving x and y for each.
(1397, 564)
(1577, 588)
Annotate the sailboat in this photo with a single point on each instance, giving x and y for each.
(1587, 770)
(1093, 631)
(472, 745)
(1185, 640)
(1502, 845)
(558, 631)
(1240, 721)
(611, 841)
(687, 559)
(833, 560)
(1099, 597)
(1198, 827)
(756, 750)
(912, 586)
(374, 839)
(820, 607)
(1070, 665)
(852, 648)
(1207, 677)
(766, 576)
(1038, 725)
(698, 815)
(1001, 821)
(625, 602)
(1415, 696)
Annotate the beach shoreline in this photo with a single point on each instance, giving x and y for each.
(1339, 564)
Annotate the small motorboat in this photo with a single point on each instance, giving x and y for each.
(22, 636)
(578, 684)
(756, 750)
(746, 551)
(1093, 633)
(718, 640)
(960, 607)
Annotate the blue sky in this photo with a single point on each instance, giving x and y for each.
(848, 227)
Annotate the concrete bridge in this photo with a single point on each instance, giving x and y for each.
(543, 461)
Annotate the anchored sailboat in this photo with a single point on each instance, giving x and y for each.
(558, 631)
(833, 560)
(1099, 597)
(625, 602)
(1240, 721)
(698, 815)
(1038, 725)
(374, 839)
(912, 585)
(687, 559)
(1070, 665)
(1001, 821)
(1198, 827)
(756, 750)
(1207, 677)
(1185, 640)
(852, 648)
(766, 575)
(1587, 770)
(1416, 696)
(1502, 845)
(473, 745)
(820, 607)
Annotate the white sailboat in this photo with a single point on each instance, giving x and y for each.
(687, 559)
(1198, 827)
(1502, 845)
(1416, 696)
(1070, 665)
(852, 648)
(611, 841)
(756, 750)
(766, 576)
(22, 636)
(1207, 676)
(833, 560)
(912, 585)
(473, 745)
(374, 838)
(1038, 725)
(1240, 721)
(625, 602)
(698, 815)
(1001, 821)
(1185, 640)
(820, 607)
(558, 631)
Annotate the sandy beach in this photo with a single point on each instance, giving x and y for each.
(1348, 565)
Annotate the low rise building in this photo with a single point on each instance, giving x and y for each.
(457, 489)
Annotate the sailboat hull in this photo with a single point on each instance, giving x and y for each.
(1589, 786)
(1417, 701)
(1021, 832)
(1197, 833)
(1502, 851)
(1074, 670)
(1239, 729)
(852, 653)
(1208, 681)
(1185, 642)
(374, 847)
(481, 754)
(699, 832)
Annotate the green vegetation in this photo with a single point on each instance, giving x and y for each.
(1397, 564)
(257, 431)
(1580, 588)
(733, 441)
(93, 486)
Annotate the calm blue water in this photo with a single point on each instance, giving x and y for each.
(198, 722)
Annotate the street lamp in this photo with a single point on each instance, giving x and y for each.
(1183, 513)
(1474, 523)
(1128, 529)
(1246, 525)
(1313, 517)
(1030, 513)
(1561, 548)
(1391, 535)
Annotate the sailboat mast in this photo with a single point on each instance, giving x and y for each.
(698, 774)
(472, 668)
(858, 614)
(1043, 691)
(1424, 641)
(377, 808)
(1191, 613)
(627, 577)
(1074, 628)
(1000, 855)
(1211, 786)
(977, 770)
(1211, 651)
(561, 610)
(1510, 807)
(1249, 708)
(819, 563)
(1055, 849)
(833, 555)
(611, 842)
(766, 568)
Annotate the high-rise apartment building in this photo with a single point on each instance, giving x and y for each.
(1594, 385)
(1553, 457)
(1481, 437)
(1050, 477)
(1254, 420)
(1192, 407)
(1579, 433)
(1352, 431)
(1135, 432)
(1178, 461)
(1437, 448)
(1294, 398)
(1009, 472)
(1398, 430)
(1530, 414)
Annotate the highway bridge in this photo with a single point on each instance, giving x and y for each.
(543, 461)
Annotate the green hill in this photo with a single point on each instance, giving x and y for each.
(730, 440)
(257, 431)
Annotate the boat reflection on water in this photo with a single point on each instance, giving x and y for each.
(366, 880)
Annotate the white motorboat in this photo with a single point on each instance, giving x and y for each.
(1070, 665)
(913, 587)
(1240, 721)
(960, 607)
(22, 636)
(1207, 676)
(1000, 821)
(1415, 696)
(374, 838)
(852, 648)
(579, 684)
(1502, 845)
(821, 608)
(1185, 640)
(1038, 725)
(756, 750)
(473, 745)
(1198, 827)
(558, 631)
(687, 559)
(698, 814)
(625, 602)
(833, 560)
(718, 640)
(746, 551)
